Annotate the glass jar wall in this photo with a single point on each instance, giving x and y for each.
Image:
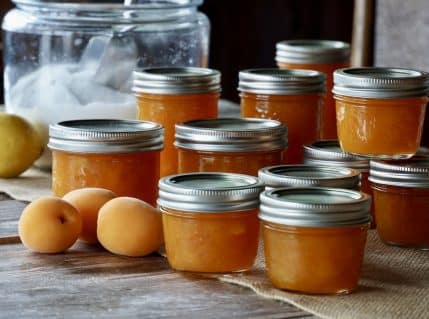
(71, 60)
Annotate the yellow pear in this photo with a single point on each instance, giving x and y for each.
(20, 145)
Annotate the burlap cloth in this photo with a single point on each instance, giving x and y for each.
(394, 281)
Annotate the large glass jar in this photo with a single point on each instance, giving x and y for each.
(74, 59)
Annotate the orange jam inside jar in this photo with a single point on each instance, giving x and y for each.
(329, 153)
(174, 95)
(380, 111)
(119, 155)
(236, 145)
(320, 55)
(401, 201)
(309, 176)
(210, 221)
(293, 97)
(314, 238)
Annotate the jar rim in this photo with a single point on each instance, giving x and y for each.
(105, 136)
(308, 51)
(413, 172)
(328, 152)
(309, 175)
(176, 80)
(281, 81)
(315, 207)
(380, 82)
(209, 192)
(231, 135)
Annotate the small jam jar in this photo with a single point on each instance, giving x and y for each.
(293, 97)
(210, 221)
(329, 153)
(321, 55)
(175, 95)
(380, 111)
(401, 201)
(237, 145)
(314, 238)
(119, 155)
(309, 176)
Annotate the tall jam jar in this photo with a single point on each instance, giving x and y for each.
(236, 145)
(401, 201)
(322, 55)
(293, 97)
(174, 95)
(119, 155)
(380, 111)
(68, 60)
(314, 238)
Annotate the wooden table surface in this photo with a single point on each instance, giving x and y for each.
(89, 282)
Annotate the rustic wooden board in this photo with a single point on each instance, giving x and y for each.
(10, 210)
(88, 282)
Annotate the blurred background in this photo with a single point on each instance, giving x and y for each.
(244, 32)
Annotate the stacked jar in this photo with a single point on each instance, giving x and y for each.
(293, 97)
(320, 55)
(170, 96)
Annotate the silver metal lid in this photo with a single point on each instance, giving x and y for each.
(281, 82)
(413, 172)
(184, 80)
(374, 82)
(329, 153)
(315, 207)
(210, 192)
(312, 51)
(105, 136)
(309, 176)
(232, 135)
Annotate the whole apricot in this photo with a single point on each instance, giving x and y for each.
(88, 202)
(130, 227)
(49, 225)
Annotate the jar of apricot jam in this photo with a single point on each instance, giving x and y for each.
(380, 111)
(401, 201)
(314, 238)
(175, 95)
(329, 153)
(237, 145)
(119, 155)
(293, 97)
(321, 55)
(210, 221)
(309, 176)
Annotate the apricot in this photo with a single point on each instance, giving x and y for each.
(130, 227)
(49, 225)
(88, 202)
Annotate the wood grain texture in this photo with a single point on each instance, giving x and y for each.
(89, 282)
(10, 210)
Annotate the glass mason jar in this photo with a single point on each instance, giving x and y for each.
(119, 155)
(174, 95)
(236, 145)
(293, 97)
(314, 238)
(74, 59)
(401, 201)
(321, 55)
(380, 111)
(210, 221)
